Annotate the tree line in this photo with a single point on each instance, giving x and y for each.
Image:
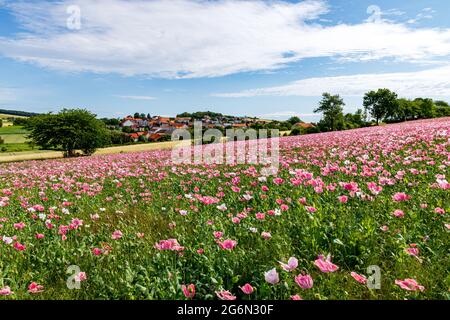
(381, 105)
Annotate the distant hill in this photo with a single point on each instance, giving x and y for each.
(18, 113)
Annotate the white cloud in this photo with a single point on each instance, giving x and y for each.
(431, 82)
(196, 38)
(136, 97)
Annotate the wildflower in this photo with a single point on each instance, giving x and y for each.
(97, 251)
(35, 288)
(266, 235)
(400, 196)
(81, 276)
(227, 244)
(170, 244)
(291, 264)
(222, 207)
(409, 285)
(218, 234)
(225, 295)
(6, 291)
(188, 291)
(358, 277)
(399, 213)
(7, 240)
(271, 276)
(18, 246)
(325, 265)
(247, 288)
(296, 297)
(304, 281)
(19, 226)
(116, 235)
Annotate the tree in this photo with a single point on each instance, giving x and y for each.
(425, 107)
(1, 123)
(332, 107)
(149, 116)
(70, 129)
(440, 103)
(136, 115)
(381, 104)
(294, 120)
(442, 109)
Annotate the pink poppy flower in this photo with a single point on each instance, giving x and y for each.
(188, 291)
(35, 288)
(409, 285)
(343, 199)
(39, 236)
(439, 210)
(412, 251)
(81, 277)
(97, 251)
(266, 235)
(18, 246)
(311, 209)
(247, 288)
(260, 216)
(325, 265)
(225, 295)
(304, 281)
(170, 244)
(296, 297)
(218, 234)
(116, 235)
(399, 213)
(400, 196)
(19, 226)
(360, 278)
(291, 264)
(6, 291)
(227, 244)
(271, 276)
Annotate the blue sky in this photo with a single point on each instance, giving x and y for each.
(270, 59)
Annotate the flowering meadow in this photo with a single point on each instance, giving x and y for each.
(136, 226)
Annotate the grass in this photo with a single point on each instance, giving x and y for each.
(13, 134)
(15, 147)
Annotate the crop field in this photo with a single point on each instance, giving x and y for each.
(13, 134)
(137, 226)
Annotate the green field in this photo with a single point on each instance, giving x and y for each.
(13, 135)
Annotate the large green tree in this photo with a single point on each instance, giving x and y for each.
(70, 130)
(381, 104)
(332, 107)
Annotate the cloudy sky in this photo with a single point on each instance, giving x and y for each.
(271, 59)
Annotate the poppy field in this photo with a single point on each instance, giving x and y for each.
(137, 226)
